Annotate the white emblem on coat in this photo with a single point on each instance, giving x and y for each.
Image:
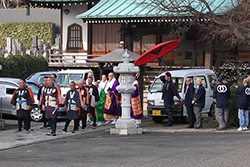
(71, 102)
(221, 88)
(247, 91)
(92, 97)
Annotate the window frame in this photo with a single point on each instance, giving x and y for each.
(200, 76)
(69, 37)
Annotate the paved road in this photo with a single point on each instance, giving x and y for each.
(157, 146)
(149, 149)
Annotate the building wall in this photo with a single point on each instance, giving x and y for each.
(69, 19)
(105, 38)
(36, 15)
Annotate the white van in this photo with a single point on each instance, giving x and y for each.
(64, 78)
(155, 106)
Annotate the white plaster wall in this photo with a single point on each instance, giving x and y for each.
(71, 19)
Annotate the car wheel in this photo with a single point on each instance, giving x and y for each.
(36, 113)
(212, 112)
(158, 119)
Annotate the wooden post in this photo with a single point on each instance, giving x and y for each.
(158, 39)
(101, 70)
(90, 27)
(129, 43)
(208, 57)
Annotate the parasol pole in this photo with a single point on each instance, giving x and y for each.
(162, 62)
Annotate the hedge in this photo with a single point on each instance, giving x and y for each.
(21, 66)
(24, 31)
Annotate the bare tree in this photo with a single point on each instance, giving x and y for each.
(230, 24)
(6, 4)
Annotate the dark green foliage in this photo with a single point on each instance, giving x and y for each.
(233, 110)
(21, 66)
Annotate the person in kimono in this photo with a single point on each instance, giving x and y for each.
(112, 104)
(99, 109)
(93, 99)
(39, 96)
(53, 76)
(84, 95)
(32, 101)
(136, 110)
(50, 104)
(21, 102)
(90, 75)
(72, 102)
(103, 83)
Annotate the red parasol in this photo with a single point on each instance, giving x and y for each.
(157, 52)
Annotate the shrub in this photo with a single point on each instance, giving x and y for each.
(21, 66)
(233, 110)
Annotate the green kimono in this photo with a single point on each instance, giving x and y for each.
(100, 107)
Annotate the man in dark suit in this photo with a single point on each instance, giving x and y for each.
(199, 102)
(189, 95)
(168, 92)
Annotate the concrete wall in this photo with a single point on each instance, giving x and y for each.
(36, 15)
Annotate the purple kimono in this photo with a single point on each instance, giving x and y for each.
(135, 94)
(115, 108)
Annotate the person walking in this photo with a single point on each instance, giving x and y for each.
(169, 91)
(72, 102)
(199, 102)
(222, 94)
(189, 95)
(39, 96)
(99, 109)
(112, 107)
(243, 104)
(50, 104)
(21, 101)
(93, 99)
(84, 96)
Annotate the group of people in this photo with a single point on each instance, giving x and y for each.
(97, 100)
(194, 101)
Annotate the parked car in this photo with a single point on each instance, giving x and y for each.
(155, 106)
(11, 85)
(64, 78)
(38, 77)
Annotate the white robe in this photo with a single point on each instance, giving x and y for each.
(109, 85)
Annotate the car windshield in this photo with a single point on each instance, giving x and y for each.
(158, 84)
(65, 79)
(40, 78)
(33, 87)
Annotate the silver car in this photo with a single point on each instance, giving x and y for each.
(11, 85)
(38, 77)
